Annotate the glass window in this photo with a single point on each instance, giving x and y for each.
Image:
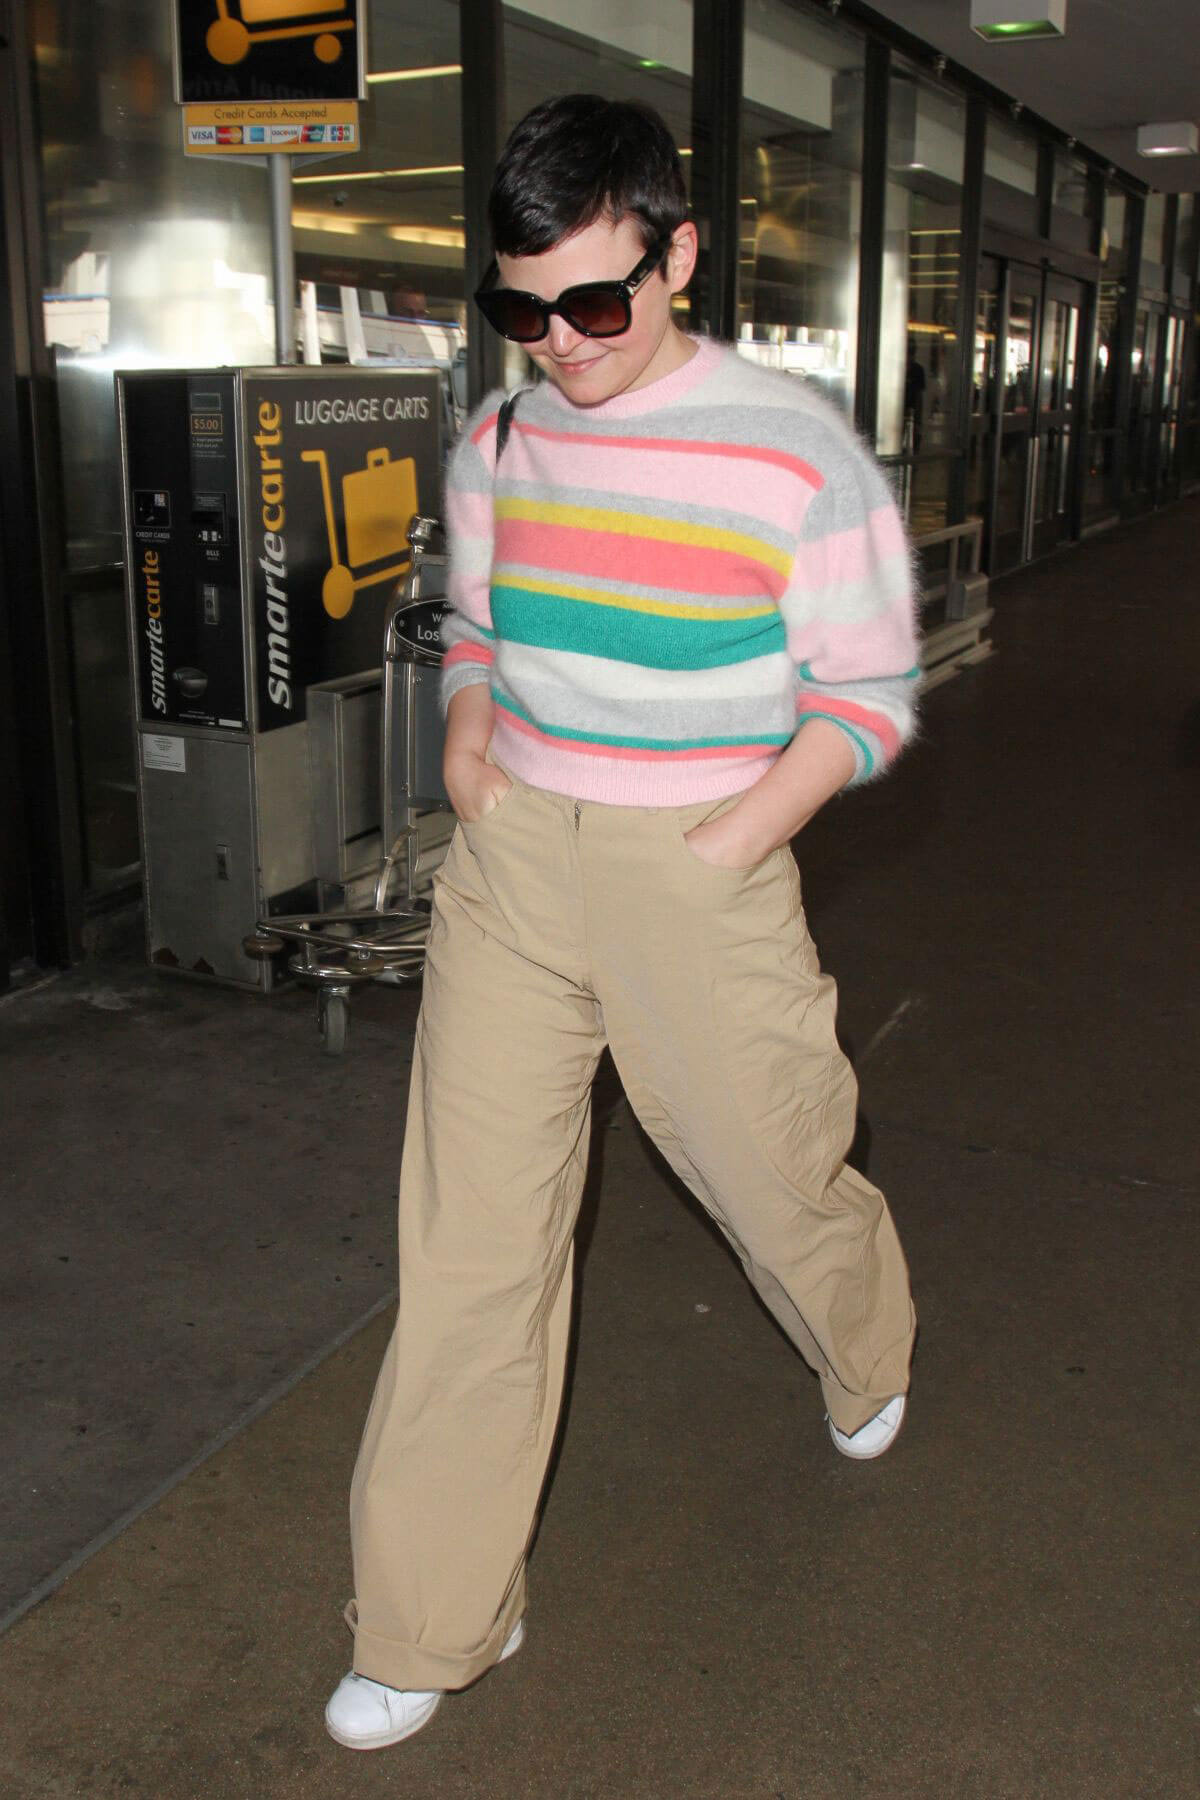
(801, 196)
(1104, 375)
(1154, 232)
(641, 52)
(1185, 235)
(151, 257)
(1010, 157)
(918, 365)
(379, 236)
(1116, 224)
(1072, 187)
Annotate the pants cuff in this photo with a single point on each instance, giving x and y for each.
(402, 1665)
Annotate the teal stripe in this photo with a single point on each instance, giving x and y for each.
(618, 742)
(586, 628)
(811, 712)
(805, 673)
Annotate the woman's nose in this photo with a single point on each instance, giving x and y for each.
(562, 337)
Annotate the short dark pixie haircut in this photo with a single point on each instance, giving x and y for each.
(580, 158)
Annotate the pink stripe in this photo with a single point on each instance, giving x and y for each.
(680, 446)
(469, 515)
(874, 649)
(613, 782)
(467, 652)
(619, 557)
(473, 599)
(771, 493)
(875, 722)
(852, 555)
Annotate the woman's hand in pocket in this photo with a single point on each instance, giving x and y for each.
(726, 843)
(475, 786)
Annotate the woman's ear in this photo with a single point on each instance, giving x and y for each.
(681, 257)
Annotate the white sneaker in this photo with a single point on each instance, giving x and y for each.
(365, 1715)
(876, 1436)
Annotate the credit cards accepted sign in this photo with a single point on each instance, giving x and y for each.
(295, 126)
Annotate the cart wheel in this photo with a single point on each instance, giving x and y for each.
(333, 1019)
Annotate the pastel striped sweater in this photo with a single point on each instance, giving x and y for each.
(661, 589)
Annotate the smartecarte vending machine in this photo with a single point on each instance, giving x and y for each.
(266, 513)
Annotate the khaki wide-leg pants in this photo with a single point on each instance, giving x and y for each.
(557, 928)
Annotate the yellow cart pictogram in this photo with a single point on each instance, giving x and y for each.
(229, 39)
(377, 504)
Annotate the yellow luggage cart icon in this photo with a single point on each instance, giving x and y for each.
(228, 38)
(377, 504)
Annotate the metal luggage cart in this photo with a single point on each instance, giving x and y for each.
(336, 952)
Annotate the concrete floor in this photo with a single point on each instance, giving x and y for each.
(1005, 1606)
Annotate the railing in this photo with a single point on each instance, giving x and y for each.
(962, 639)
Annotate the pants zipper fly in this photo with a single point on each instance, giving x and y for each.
(578, 810)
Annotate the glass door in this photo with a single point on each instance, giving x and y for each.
(1168, 473)
(1025, 433)
(1016, 400)
(1053, 448)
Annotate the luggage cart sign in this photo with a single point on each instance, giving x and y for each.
(246, 50)
(335, 468)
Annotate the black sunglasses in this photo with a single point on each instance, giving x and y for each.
(599, 309)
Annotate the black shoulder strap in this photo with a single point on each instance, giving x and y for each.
(504, 420)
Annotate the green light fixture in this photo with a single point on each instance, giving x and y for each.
(1003, 21)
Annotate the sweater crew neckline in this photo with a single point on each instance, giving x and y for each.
(663, 392)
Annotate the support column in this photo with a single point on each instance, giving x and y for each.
(874, 207)
(481, 52)
(717, 38)
(283, 257)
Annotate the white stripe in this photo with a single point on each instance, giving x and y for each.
(604, 679)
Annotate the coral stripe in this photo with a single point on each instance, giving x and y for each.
(612, 522)
(876, 722)
(484, 426)
(778, 459)
(468, 652)
(679, 568)
(761, 492)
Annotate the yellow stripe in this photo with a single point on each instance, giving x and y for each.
(668, 531)
(666, 609)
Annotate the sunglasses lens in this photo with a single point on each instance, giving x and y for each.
(597, 312)
(514, 315)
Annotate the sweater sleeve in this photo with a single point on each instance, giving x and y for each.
(467, 635)
(850, 611)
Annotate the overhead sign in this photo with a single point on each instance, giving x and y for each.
(296, 127)
(251, 50)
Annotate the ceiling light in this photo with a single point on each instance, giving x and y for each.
(379, 175)
(1167, 140)
(999, 21)
(417, 74)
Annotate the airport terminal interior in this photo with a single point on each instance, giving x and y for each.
(985, 251)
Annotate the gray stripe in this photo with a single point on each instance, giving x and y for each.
(552, 704)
